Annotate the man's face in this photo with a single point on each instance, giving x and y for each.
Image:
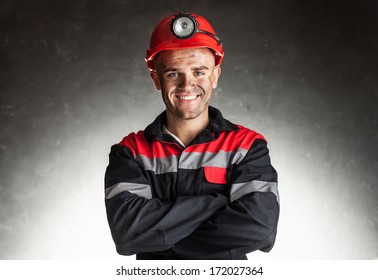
(186, 79)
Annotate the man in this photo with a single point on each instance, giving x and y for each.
(192, 185)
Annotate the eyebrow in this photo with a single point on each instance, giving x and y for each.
(201, 68)
(170, 70)
(193, 69)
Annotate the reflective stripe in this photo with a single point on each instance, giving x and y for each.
(141, 190)
(224, 159)
(241, 189)
(191, 161)
(158, 165)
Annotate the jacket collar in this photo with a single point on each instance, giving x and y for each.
(216, 126)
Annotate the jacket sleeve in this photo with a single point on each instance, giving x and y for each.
(248, 222)
(140, 222)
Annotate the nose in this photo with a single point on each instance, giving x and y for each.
(186, 82)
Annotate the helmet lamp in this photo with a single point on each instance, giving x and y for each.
(184, 26)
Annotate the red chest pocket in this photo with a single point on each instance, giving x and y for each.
(215, 175)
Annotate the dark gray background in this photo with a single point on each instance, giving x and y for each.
(73, 82)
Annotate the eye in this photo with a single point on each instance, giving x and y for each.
(199, 73)
(172, 74)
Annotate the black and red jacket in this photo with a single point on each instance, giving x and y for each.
(217, 198)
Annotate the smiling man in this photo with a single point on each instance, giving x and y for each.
(186, 79)
(192, 185)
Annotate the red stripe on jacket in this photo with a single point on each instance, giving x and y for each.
(227, 141)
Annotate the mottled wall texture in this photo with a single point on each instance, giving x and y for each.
(73, 82)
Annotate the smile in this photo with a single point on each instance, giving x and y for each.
(188, 98)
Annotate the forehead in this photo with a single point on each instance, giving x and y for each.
(186, 56)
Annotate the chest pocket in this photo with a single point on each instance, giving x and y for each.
(215, 175)
(215, 180)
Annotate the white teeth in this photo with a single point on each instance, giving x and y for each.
(187, 97)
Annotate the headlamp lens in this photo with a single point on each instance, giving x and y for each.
(183, 26)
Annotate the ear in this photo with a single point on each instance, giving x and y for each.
(215, 75)
(155, 78)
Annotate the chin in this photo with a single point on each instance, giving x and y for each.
(191, 115)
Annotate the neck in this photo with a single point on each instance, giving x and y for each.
(187, 129)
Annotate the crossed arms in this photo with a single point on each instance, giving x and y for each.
(206, 226)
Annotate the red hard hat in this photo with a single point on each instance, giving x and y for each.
(166, 36)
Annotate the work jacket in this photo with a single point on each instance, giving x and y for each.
(217, 198)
